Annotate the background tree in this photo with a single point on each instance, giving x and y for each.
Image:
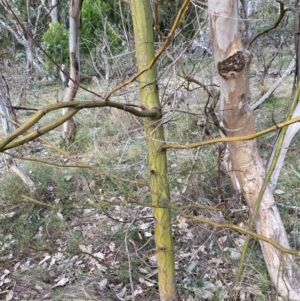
(69, 127)
(15, 13)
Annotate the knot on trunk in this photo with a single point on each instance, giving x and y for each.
(230, 67)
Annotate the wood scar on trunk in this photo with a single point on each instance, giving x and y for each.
(230, 67)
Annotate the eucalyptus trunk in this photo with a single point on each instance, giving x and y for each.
(69, 128)
(157, 160)
(232, 62)
(54, 10)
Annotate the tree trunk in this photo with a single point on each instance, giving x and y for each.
(54, 10)
(69, 127)
(159, 188)
(232, 63)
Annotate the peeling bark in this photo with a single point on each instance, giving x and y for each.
(232, 62)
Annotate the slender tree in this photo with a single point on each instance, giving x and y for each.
(53, 10)
(159, 188)
(69, 128)
(232, 62)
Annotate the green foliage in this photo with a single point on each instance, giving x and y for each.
(91, 20)
(168, 11)
(56, 43)
(94, 28)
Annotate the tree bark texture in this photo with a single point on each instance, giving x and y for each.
(157, 160)
(232, 62)
(69, 127)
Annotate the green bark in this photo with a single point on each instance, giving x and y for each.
(160, 194)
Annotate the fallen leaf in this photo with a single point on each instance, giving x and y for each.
(148, 234)
(9, 296)
(102, 284)
(61, 282)
(146, 282)
(112, 246)
(86, 249)
(182, 224)
(99, 255)
(191, 267)
(121, 294)
(45, 259)
(143, 271)
(5, 273)
(137, 291)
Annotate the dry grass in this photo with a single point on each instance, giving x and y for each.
(100, 241)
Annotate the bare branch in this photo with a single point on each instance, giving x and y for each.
(231, 139)
(282, 12)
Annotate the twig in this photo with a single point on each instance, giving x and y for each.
(129, 259)
(232, 139)
(282, 11)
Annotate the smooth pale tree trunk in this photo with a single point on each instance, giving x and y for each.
(54, 10)
(232, 63)
(159, 188)
(69, 127)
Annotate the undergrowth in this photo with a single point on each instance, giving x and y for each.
(94, 231)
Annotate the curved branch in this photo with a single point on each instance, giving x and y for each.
(75, 106)
(282, 12)
(244, 231)
(232, 139)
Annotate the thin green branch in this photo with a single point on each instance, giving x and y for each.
(75, 106)
(232, 139)
(244, 231)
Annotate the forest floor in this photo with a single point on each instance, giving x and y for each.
(86, 232)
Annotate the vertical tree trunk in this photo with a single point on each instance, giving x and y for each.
(232, 63)
(69, 127)
(160, 194)
(54, 10)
